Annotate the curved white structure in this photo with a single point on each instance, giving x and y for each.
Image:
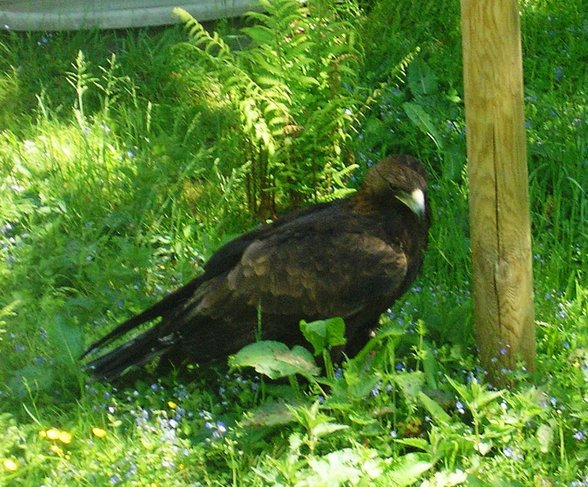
(110, 14)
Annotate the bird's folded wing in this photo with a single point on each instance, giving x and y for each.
(316, 275)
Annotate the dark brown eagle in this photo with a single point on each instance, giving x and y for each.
(350, 258)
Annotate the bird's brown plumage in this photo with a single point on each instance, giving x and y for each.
(350, 258)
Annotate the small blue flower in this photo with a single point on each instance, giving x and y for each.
(558, 73)
(132, 471)
(219, 429)
(512, 454)
(459, 407)
(6, 228)
(579, 435)
(553, 401)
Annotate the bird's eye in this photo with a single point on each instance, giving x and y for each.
(393, 188)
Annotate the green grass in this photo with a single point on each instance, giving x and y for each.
(119, 176)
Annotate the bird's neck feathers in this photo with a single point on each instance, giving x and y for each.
(369, 202)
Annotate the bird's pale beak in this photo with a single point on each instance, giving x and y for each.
(415, 201)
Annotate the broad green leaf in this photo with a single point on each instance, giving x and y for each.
(271, 413)
(419, 443)
(324, 429)
(411, 384)
(473, 481)
(429, 366)
(421, 78)
(67, 338)
(434, 409)
(485, 398)
(422, 120)
(409, 468)
(276, 360)
(324, 334)
(545, 437)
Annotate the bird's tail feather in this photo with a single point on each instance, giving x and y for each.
(135, 352)
(155, 311)
(133, 322)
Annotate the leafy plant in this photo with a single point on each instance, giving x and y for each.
(323, 335)
(275, 360)
(292, 87)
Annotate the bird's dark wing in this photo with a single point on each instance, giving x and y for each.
(350, 258)
(318, 274)
(179, 296)
(316, 266)
(230, 253)
(221, 262)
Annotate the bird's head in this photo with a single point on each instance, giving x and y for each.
(399, 177)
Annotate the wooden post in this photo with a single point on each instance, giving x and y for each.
(498, 186)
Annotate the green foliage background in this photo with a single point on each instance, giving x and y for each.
(128, 157)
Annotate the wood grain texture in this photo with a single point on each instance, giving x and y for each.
(498, 186)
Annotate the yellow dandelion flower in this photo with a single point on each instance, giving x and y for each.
(64, 437)
(52, 434)
(172, 405)
(56, 434)
(98, 432)
(10, 465)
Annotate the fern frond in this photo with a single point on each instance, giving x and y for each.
(293, 91)
(200, 36)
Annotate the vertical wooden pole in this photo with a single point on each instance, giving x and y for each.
(498, 186)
